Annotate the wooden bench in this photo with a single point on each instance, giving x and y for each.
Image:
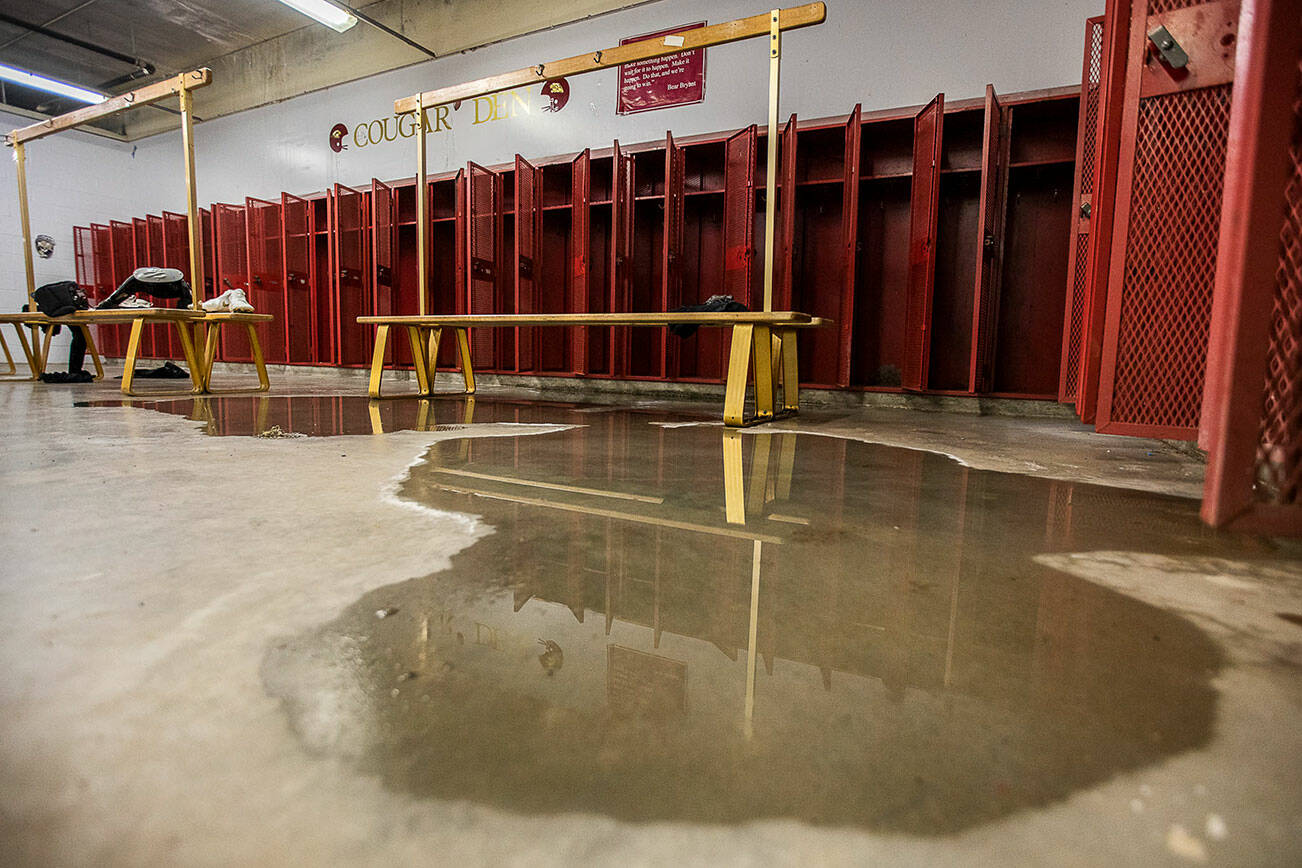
(766, 339)
(200, 365)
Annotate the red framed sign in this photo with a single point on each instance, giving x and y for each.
(662, 82)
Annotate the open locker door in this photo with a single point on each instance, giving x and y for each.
(296, 277)
(383, 242)
(207, 232)
(849, 242)
(483, 239)
(528, 258)
(990, 247)
(580, 253)
(231, 244)
(621, 252)
(266, 277)
(353, 297)
(157, 338)
(110, 342)
(1087, 128)
(786, 230)
(922, 241)
(739, 214)
(176, 254)
(671, 290)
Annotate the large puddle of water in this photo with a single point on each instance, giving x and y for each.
(691, 624)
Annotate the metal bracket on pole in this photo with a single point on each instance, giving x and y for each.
(771, 170)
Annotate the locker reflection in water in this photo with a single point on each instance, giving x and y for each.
(837, 632)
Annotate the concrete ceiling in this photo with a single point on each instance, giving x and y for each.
(260, 51)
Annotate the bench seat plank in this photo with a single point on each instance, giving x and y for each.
(504, 320)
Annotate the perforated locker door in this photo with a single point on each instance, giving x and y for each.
(927, 129)
(621, 253)
(231, 248)
(101, 237)
(671, 271)
(580, 255)
(483, 239)
(786, 230)
(383, 244)
(297, 279)
(739, 214)
(990, 249)
(527, 258)
(1169, 202)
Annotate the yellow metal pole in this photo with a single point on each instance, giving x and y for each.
(20, 155)
(771, 172)
(422, 218)
(193, 228)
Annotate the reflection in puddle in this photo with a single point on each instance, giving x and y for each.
(334, 415)
(689, 624)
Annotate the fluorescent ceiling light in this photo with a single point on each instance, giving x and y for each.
(327, 13)
(50, 85)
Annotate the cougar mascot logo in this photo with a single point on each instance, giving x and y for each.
(337, 133)
(557, 91)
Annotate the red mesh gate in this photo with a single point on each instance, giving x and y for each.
(353, 297)
(1169, 188)
(1073, 327)
(483, 239)
(383, 242)
(102, 253)
(1252, 421)
(83, 257)
(300, 287)
(528, 257)
(927, 126)
(671, 270)
(266, 286)
(621, 252)
(739, 214)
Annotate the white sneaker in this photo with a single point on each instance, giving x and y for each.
(218, 304)
(238, 302)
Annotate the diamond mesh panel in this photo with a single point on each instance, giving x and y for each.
(82, 255)
(1077, 325)
(1279, 448)
(483, 260)
(739, 214)
(1170, 263)
(1090, 129)
(1156, 7)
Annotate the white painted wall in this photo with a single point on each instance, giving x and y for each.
(882, 53)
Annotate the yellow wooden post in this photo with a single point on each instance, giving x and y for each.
(771, 171)
(422, 218)
(194, 230)
(20, 155)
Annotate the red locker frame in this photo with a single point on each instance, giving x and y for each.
(849, 240)
(230, 247)
(527, 259)
(122, 247)
(354, 295)
(580, 254)
(1174, 138)
(990, 244)
(266, 273)
(207, 232)
(299, 279)
(1252, 413)
(102, 249)
(483, 246)
(176, 254)
(384, 243)
(1087, 128)
(739, 213)
(927, 132)
(786, 230)
(83, 258)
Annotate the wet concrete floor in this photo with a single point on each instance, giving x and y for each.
(658, 621)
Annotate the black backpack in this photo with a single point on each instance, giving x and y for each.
(60, 298)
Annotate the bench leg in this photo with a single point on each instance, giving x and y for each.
(734, 399)
(187, 350)
(418, 359)
(762, 347)
(790, 371)
(467, 369)
(29, 356)
(209, 358)
(433, 337)
(133, 347)
(8, 358)
(45, 349)
(734, 493)
(259, 364)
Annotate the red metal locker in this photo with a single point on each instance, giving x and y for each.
(1252, 413)
(298, 279)
(232, 270)
(927, 132)
(483, 239)
(580, 253)
(528, 257)
(207, 232)
(786, 230)
(621, 252)
(122, 247)
(83, 258)
(1074, 317)
(671, 271)
(266, 274)
(140, 243)
(1169, 197)
(739, 214)
(325, 349)
(384, 238)
(990, 250)
(353, 293)
(176, 254)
